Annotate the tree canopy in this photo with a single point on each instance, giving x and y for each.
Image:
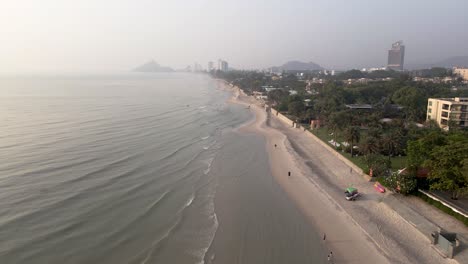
(447, 165)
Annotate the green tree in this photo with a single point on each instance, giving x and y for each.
(353, 135)
(391, 142)
(401, 183)
(447, 165)
(418, 151)
(337, 122)
(276, 96)
(414, 101)
(296, 108)
(378, 163)
(341, 119)
(370, 145)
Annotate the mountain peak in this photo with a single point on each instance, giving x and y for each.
(296, 65)
(152, 66)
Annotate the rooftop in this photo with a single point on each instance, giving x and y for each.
(454, 100)
(359, 106)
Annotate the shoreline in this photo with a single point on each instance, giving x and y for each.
(258, 222)
(315, 205)
(351, 235)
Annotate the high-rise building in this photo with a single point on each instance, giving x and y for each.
(223, 65)
(396, 56)
(448, 111)
(210, 66)
(197, 67)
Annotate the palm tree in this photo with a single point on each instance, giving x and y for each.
(352, 134)
(336, 122)
(369, 145)
(375, 132)
(391, 143)
(332, 126)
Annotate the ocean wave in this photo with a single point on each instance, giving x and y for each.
(190, 200)
(211, 233)
(205, 137)
(104, 168)
(174, 110)
(59, 230)
(153, 246)
(149, 251)
(180, 124)
(179, 149)
(210, 145)
(57, 233)
(55, 204)
(202, 254)
(208, 169)
(48, 168)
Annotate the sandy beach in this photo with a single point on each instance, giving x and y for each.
(364, 231)
(258, 222)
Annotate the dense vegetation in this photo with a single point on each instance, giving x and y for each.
(391, 128)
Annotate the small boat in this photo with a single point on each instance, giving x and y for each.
(379, 187)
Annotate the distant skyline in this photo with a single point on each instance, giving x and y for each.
(118, 35)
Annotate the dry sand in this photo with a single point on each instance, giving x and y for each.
(364, 231)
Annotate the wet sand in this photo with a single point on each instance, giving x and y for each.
(258, 223)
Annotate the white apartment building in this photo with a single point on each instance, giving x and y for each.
(445, 110)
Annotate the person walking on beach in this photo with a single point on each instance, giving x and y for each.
(289, 173)
(330, 257)
(275, 145)
(324, 236)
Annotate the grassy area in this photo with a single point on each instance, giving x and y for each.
(358, 161)
(324, 135)
(398, 162)
(442, 207)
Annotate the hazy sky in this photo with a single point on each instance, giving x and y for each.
(117, 35)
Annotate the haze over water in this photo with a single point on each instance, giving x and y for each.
(138, 169)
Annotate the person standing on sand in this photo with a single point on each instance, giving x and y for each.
(324, 236)
(289, 173)
(275, 145)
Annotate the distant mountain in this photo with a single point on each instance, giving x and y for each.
(297, 66)
(460, 61)
(152, 66)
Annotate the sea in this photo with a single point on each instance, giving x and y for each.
(139, 168)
